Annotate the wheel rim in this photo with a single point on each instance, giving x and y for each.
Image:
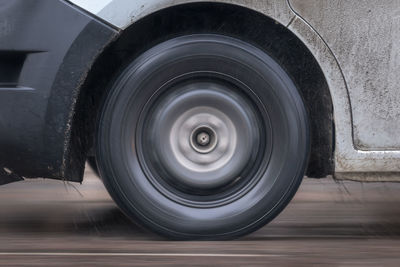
(200, 141)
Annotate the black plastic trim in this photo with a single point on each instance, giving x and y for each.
(36, 106)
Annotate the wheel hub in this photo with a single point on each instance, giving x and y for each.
(193, 134)
(203, 139)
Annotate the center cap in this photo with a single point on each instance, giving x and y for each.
(203, 139)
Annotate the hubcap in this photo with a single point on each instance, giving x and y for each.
(191, 138)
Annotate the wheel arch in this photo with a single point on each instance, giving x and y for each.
(230, 19)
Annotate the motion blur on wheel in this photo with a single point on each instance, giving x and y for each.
(203, 136)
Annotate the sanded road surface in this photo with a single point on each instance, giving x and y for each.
(51, 223)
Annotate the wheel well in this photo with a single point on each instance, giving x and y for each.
(231, 20)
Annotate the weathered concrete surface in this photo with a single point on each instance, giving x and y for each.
(48, 223)
(364, 37)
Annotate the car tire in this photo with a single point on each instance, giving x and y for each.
(203, 136)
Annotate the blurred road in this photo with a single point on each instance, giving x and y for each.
(51, 223)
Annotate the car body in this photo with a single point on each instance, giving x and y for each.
(58, 57)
